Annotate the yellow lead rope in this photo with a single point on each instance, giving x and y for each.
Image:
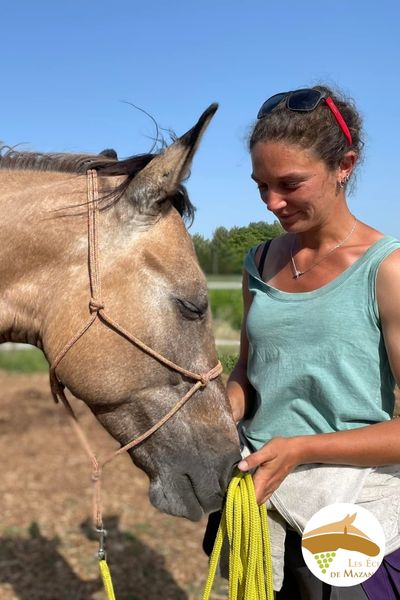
(106, 577)
(246, 526)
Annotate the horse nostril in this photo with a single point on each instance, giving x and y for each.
(227, 472)
(234, 467)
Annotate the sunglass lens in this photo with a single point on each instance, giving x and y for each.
(304, 100)
(270, 104)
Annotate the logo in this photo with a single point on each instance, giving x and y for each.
(343, 544)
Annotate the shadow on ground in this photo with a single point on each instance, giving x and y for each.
(36, 570)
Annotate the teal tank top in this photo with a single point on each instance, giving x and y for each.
(317, 360)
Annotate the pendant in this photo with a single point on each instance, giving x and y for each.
(296, 272)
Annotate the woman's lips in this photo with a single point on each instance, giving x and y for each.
(287, 217)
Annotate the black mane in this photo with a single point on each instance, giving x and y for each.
(105, 163)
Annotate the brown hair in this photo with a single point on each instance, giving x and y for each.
(316, 130)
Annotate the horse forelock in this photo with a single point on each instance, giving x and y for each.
(105, 163)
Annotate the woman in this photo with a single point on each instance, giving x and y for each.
(320, 344)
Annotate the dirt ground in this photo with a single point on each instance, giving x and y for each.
(47, 549)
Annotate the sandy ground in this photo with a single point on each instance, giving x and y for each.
(47, 550)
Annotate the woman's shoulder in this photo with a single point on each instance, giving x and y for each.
(371, 235)
(256, 255)
(379, 254)
(390, 263)
(388, 285)
(372, 244)
(274, 243)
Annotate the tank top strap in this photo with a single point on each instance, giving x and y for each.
(250, 262)
(378, 254)
(263, 257)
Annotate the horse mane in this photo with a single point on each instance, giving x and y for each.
(106, 163)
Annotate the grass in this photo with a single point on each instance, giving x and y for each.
(31, 360)
(225, 278)
(228, 361)
(227, 305)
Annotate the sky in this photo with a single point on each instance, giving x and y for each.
(70, 69)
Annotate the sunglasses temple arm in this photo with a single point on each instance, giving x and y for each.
(335, 111)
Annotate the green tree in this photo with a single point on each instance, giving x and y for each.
(221, 251)
(203, 251)
(225, 252)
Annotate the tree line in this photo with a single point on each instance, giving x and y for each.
(224, 253)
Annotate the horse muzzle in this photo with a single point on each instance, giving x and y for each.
(193, 486)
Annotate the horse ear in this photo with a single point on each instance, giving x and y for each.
(161, 177)
(109, 153)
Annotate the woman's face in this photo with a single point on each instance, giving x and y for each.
(296, 187)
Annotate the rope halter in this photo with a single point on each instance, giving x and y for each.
(97, 310)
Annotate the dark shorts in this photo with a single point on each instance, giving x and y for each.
(300, 584)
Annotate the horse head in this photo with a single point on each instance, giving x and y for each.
(148, 282)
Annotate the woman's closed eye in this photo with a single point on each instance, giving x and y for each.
(288, 186)
(284, 185)
(292, 184)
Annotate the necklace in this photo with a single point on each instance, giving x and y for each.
(297, 273)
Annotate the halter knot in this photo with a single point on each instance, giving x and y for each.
(204, 379)
(95, 305)
(96, 474)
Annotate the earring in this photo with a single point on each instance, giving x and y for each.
(343, 182)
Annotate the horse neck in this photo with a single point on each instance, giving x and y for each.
(36, 247)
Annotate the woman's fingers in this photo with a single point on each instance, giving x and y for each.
(272, 463)
(257, 458)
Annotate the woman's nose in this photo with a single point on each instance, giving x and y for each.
(274, 201)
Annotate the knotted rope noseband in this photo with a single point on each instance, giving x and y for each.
(97, 311)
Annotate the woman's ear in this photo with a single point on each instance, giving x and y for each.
(347, 165)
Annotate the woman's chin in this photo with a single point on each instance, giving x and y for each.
(291, 223)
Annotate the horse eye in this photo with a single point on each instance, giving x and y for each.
(190, 310)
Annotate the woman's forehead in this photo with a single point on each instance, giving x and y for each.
(281, 158)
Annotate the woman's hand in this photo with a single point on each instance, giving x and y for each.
(273, 462)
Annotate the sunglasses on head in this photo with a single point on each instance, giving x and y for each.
(305, 100)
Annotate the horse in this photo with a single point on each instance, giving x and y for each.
(121, 313)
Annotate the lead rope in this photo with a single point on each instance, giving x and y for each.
(245, 525)
(103, 566)
(97, 311)
(106, 578)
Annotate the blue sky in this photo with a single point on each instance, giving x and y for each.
(67, 67)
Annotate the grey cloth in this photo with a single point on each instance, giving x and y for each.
(311, 487)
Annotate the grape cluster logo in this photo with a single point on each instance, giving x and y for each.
(343, 544)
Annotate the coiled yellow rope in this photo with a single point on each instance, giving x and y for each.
(106, 577)
(246, 526)
(245, 523)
